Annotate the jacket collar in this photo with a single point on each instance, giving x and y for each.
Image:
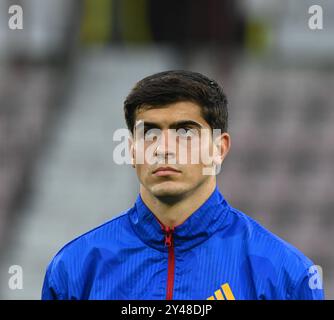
(198, 227)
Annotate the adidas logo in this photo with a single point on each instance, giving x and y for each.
(224, 293)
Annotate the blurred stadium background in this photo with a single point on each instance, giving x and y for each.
(63, 79)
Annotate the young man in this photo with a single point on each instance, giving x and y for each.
(181, 239)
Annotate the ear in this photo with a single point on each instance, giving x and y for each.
(221, 147)
(132, 151)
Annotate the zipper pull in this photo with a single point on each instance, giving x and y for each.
(168, 236)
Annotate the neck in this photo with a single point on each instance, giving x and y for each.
(174, 213)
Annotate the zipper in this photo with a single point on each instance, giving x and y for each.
(171, 261)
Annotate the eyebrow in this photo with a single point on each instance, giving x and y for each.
(174, 125)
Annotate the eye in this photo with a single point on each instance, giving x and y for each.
(151, 134)
(186, 132)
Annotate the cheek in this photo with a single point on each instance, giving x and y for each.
(189, 152)
(142, 171)
(192, 172)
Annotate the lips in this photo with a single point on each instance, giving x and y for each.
(165, 171)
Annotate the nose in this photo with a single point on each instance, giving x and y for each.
(166, 145)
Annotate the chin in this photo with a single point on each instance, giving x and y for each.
(168, 190)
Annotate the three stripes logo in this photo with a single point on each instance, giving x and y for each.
(223, 293)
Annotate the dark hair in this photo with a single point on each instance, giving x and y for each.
(173, 86)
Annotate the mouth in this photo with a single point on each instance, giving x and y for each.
(165, 171)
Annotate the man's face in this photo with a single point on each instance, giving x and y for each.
(172, 142)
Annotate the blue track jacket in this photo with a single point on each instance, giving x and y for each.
(218, 253)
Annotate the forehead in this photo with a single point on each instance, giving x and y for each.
(171, 113)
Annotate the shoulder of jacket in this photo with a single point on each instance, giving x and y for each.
(262, 240)
(82, 241)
